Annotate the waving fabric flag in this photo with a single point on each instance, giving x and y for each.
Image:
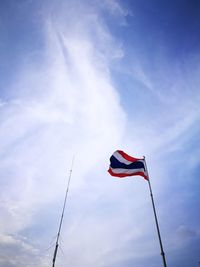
(123, 165)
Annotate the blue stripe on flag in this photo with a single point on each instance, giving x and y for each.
(115, 163)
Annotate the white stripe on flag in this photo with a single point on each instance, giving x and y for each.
(120, 158)
(123, 160)
(127, 171)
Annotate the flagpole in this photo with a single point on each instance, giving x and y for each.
(62, 215)
(156, 220)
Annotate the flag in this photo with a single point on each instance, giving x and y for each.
(123, 165)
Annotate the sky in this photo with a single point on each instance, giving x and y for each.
(83, 78)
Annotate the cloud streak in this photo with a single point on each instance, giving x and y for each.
(60, 107)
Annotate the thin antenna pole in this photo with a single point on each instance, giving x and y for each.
(62, 215)
(156, 220)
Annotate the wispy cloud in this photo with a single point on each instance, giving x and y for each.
(63, 105)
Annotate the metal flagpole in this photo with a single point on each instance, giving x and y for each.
(62, 215)
(156, 220)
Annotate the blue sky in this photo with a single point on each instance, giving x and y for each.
(85, 78)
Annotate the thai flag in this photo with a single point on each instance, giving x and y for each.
(122, 165)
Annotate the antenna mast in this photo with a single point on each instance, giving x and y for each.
(62, 215)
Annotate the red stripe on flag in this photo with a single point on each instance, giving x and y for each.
(123, 175)
(126, 156)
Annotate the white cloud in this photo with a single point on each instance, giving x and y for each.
(16, 251)
(63, 105)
